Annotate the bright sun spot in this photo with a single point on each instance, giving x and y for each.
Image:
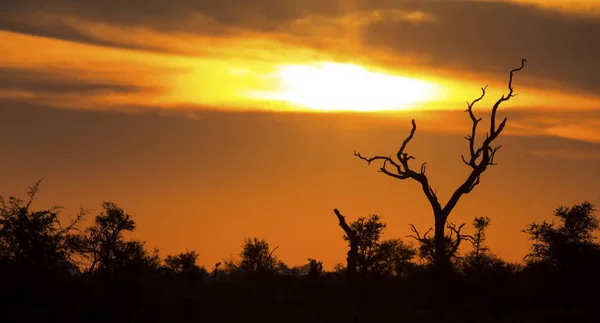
(345, 87)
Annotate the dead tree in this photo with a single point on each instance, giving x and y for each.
(351, 260)
(480, 158)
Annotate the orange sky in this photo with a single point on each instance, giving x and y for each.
(210, 122)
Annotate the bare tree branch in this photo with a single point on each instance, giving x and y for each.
(480, 157)
(351, 260)
(403, 170)
(273, 251)
(471, 137)
(483, 156)
(418, 236)
(455, 243)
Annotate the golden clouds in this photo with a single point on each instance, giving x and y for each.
(365, 57)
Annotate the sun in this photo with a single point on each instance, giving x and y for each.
(330, 86)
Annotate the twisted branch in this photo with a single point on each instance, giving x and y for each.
(480, 158)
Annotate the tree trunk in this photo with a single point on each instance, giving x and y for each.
(351, 259)
(441, 265)
(441, 262)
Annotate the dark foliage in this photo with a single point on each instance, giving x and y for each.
(452, 242)
(51, 273)
(34, 238)
(257, 260)
(389, 258)
(315, 268)
(566, 244)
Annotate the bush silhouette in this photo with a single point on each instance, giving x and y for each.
(129, 283)
(34, 239)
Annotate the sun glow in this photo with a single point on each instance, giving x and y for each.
(346, 87)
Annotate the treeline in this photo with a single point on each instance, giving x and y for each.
(56, 272)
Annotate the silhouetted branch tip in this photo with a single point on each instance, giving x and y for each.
(416, 232)
(273, 251)
(423, 167)
(401, 167)
(459, 237)
(478, 159)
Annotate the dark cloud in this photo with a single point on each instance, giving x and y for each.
(60, 30)
(179, 15)
(470, 36)
(493, 36)
(55, 82)
(196, 17)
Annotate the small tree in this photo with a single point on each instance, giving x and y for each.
(372, 256)
(393, 257)
(315, 268)
(103, 245)
(257, 258)
(480, 260)
(368, 231)
(480, 224)
(568, 243)
(34, 238)
(340, 268)
(480, 158)
(133, 254)
(182, 262)
(183, 265)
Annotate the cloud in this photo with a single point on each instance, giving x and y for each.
(576, 125)
(460, 37)
(182, 54)
(51, 83)
(487, 37)
(584, 8)
(173, 16)
(72, 88)
(580, 125)
(574, 154)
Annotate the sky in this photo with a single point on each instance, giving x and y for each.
(212, 121)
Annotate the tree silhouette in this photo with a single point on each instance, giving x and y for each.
(34, 238)
(393, 257)
(480, 224)
(183, 262)
(184, 265)
(315, 268)
(372, 256)
(133, 254)
(480, 158)
(480, 260)
(568, 243)
(559, 283)
(452, 242)
(103, 245)
(368, 231)
(257, 259)
(352, 238)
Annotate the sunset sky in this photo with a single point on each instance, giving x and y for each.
(210, 121)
